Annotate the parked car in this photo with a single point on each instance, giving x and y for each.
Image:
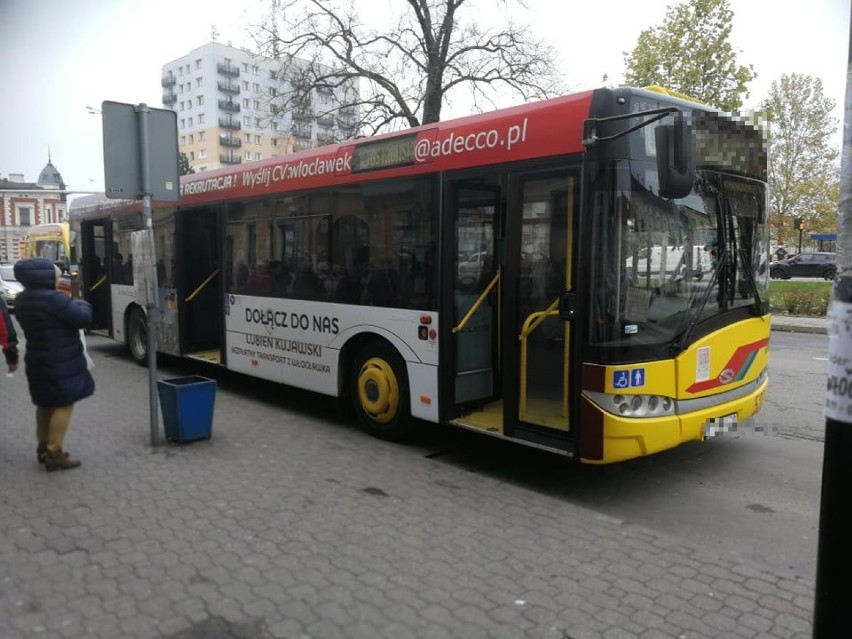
(817, 264)
(9, 286)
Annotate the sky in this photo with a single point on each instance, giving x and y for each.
(61, 57)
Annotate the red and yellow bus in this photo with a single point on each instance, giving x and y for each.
(490, 272)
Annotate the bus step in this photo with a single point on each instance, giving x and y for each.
(213, 356)
(546, 437)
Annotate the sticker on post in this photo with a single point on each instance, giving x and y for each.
(838, 395)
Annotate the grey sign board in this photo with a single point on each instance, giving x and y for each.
(125, 150)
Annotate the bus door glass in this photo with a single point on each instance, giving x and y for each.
(95, 287)
(476, 207)
(199, 282)
(538, 345)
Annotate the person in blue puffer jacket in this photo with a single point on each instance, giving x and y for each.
(56, 367)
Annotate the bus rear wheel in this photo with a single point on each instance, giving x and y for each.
(380, 392)
(137, 336)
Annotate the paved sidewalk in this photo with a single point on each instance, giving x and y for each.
(801, 324)
(290, 523)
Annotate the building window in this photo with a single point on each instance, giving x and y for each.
(248, 138)
(246, 102)
(201, 133)
(182, 123)
(257, 139)
(199, 100)
(183, 139)
(191, 138)
(25, 215)
(199, 82)
(198, 63)
(257, 156)
(256, 87)
(245, 85)
(181, 105)
(275, 125)
(200, 118)
(257, 105)
(189, 122)
(202, 154)
(191, 156)
(245, 67)
(273, 91)
(248, 155)
(254, 70)
(257, 123)
(275, 142)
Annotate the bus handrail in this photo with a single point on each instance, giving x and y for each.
(530, 324)
(98, 283)
(201, 286)
(539, 317)
(476, 304)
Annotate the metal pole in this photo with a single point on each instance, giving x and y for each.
(833, 590)
(152, 288)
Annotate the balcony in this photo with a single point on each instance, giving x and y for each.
(326, 120)
(229, 70)
(303, 115)
(169, 98)
(301, 145)
(168, 81)
(230, 159)
(226, 123)
(228, 87)
(229, 105)
(230, 140)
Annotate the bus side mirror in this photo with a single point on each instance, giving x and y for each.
(675, 157)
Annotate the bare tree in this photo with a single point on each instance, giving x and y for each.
(334, 66)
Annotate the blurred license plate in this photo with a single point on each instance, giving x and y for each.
(719, 425)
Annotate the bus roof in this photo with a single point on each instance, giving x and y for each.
(547, 128)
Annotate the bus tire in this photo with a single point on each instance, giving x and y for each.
(137, 336)
(379, 386)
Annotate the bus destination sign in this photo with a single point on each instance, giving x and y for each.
(384, 154)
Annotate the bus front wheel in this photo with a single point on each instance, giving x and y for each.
(137, 336)
(380, 392)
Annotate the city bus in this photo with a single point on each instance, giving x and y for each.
(56, 242)
(337, 270)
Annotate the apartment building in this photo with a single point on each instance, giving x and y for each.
(222, 96)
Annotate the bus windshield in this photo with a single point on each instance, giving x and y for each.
(665, 266)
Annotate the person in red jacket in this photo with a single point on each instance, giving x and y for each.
(8, 338)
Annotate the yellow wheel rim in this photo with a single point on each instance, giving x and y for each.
(378, 390)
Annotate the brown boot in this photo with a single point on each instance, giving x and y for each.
(57, 460)
(41, 452)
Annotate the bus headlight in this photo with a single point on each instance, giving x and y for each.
(633, 405)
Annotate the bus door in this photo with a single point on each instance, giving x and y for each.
(199, 282)
(95, 285)
(537, 278)
(475, 209)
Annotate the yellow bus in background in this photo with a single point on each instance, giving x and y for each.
(55, 241)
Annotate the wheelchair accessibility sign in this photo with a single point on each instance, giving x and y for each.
(630, 378)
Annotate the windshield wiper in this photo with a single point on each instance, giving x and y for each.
(681, 342)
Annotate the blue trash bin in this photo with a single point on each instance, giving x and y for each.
(187, 406)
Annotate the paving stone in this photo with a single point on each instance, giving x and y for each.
(292, 524)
